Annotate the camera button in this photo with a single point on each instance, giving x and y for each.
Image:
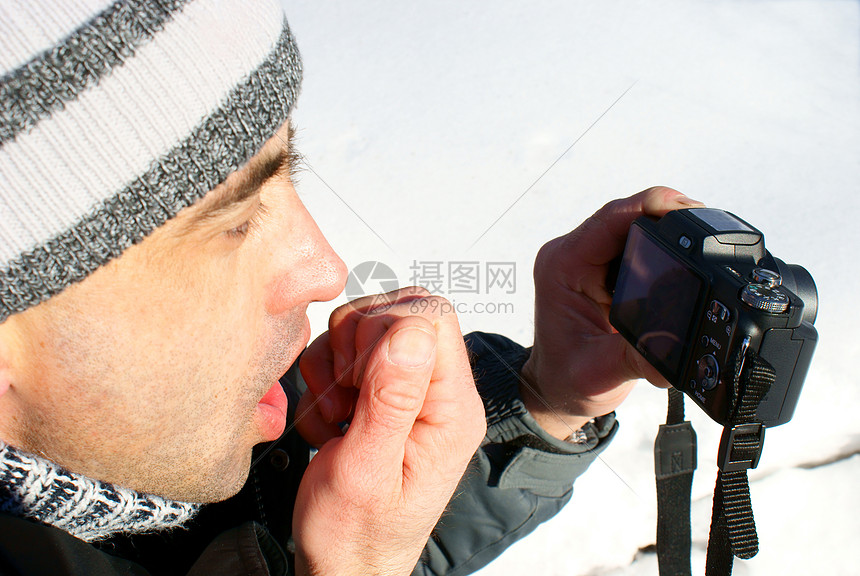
(709, 372)
(766, 277)
(719, 310)
(685, 242)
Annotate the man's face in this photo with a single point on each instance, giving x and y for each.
(148, 373)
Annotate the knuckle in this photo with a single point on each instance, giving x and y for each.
(338, 314)
(613, 205)
(358, 303)
(429, 305)
(660, 191)
(546, 253)
(348, 312)
(435, 298)
(417, 290)
(379, 303)
(610, 210)
(397, 399)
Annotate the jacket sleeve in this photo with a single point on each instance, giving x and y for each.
(519, 477)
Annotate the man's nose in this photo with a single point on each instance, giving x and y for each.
(316, 272)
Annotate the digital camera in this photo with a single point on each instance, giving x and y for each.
(696, 290)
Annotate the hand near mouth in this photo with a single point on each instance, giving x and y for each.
(402, 374)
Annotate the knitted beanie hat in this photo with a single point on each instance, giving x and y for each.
(114, 116)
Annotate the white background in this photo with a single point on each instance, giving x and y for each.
(430, 121)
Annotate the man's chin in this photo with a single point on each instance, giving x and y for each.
(214, 485)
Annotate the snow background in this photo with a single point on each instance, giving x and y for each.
(423, 123)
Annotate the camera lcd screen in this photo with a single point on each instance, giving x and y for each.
(655, 300)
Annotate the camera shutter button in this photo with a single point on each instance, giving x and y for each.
(766, 277)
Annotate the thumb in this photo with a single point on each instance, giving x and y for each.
(392, 391)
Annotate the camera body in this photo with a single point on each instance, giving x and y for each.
(696, 289)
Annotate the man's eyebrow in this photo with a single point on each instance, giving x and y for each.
(253, 177)
(236, 190)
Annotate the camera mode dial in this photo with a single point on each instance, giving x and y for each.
(766, 277)
(765, 298)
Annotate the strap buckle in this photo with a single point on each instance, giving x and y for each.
(740, 447)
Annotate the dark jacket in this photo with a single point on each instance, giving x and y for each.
(519, 478)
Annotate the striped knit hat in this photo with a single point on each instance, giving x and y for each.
(114, 116)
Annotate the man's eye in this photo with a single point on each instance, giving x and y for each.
(242, 229)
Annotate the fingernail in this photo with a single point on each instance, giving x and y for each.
(682, 199)
(411, 347)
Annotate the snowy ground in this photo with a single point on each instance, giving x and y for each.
(426, 127)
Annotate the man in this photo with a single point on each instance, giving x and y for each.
(155, 269)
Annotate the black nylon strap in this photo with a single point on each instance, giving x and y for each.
(674, 462)
(675, 411)
(733, 530)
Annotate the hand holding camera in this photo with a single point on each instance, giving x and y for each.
(697, 292)
(580, 367)
(693, 288)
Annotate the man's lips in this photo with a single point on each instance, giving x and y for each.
(271, 413)
(271, 410)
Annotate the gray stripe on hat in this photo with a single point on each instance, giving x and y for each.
(45, 83)
(222, 143)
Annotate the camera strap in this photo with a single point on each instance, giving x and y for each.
(674, 464)
(733, 531)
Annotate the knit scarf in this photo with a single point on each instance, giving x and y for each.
(36, 488)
